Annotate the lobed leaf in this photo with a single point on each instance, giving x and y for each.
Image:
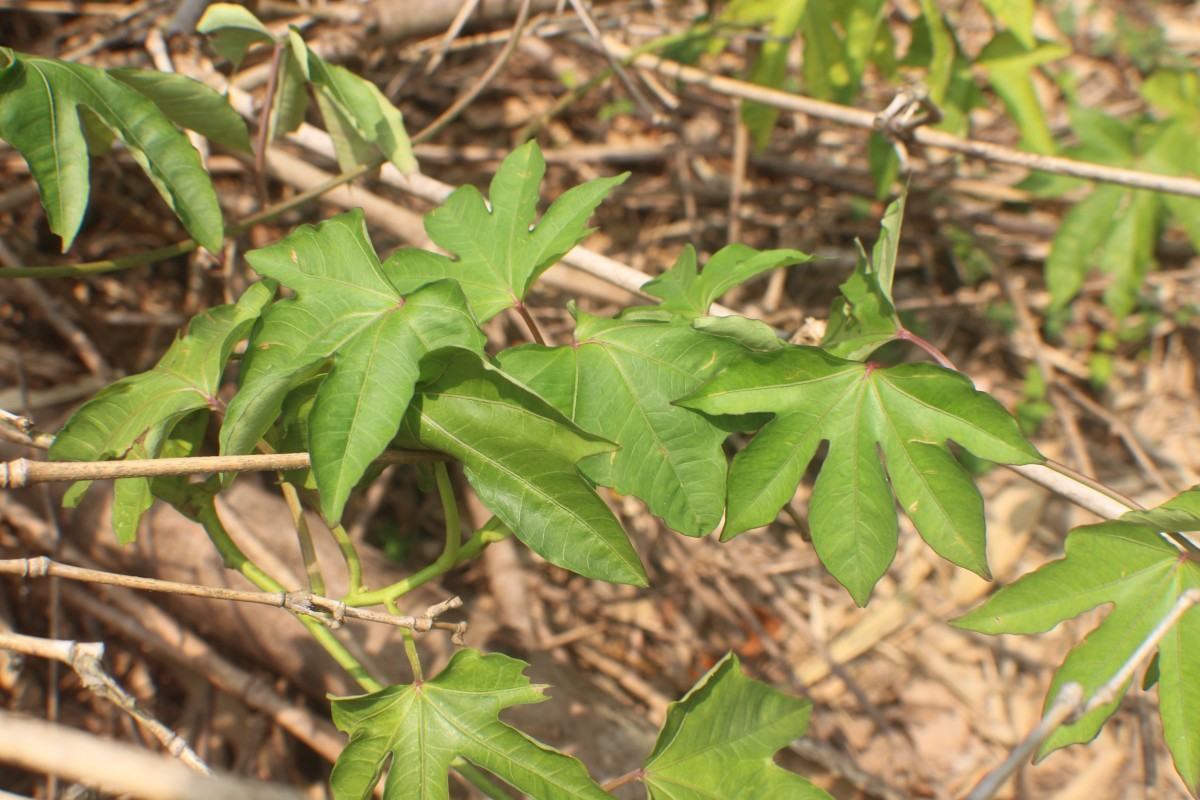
(500, 251)
(720, 741)
(40, 103)
(422, 728)
(687, 291)
(901, 415)
(619, 379)
(135, 416)
(520, 455)
(1142, 575)
(345, 310)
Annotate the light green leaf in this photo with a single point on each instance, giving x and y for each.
(420, 729)
(864, 318)
(189, 104)
(134, 416)
(770, 68)
(520, 455)
(346, 310)
(1009, 65)
(360, 119)
(1016, 16)
(1180, 513)
(40, 100)
(1142, 575)
(618, 379)
(1128, 252)
(904, 414)
(232, 30)
(720, 741)
(1084, 228)
(500, 250)
(686, 291)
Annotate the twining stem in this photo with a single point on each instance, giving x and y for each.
(312, 567)
(264, 125)
(410, 647)
(195, 504)
(628, 777)
(354, 570)
(494, 531)
(445, 487)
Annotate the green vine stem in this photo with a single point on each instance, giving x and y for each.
(312, 567)
(197, 503)
(493, 531)
(354, 570)
(410, 648)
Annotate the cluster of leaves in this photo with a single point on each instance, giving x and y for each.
(368, 354)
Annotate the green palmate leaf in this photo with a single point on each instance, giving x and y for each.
(520, 455)
(135, 416)
(424, 727)
(864, 318)
(688, 292)
(903, 414)
(232, 30)
(189, 104)
(1142, 575)
(500, 250)
(720, 742)
(346, 310)
(40, 102)
(618, 379)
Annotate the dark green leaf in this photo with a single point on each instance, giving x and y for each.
(520, 455)
(40, 100)
(500, 250)
(903, 414)
(345, 309)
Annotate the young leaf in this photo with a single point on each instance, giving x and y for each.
(345, 309)
(864, 318)
(686, 291)
(520, 455)
(720, 741)
(424, 727)
(618, 379)
(135, 415)
(500, 250)
(40, 101)
(231, 30)
(903, 414)
(1142, 575)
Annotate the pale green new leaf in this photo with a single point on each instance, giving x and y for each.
(1142, 575)
(1017, 17)
(520, 455)
(346, 310)
(687, 291)
(500, 251)
(864, 318)
(900, 417)
(361, 121)
(134, 416)
(720, 741)
(232, 30)
(40, 101)
(1084, 228)
(618, 379)
(422, 728)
